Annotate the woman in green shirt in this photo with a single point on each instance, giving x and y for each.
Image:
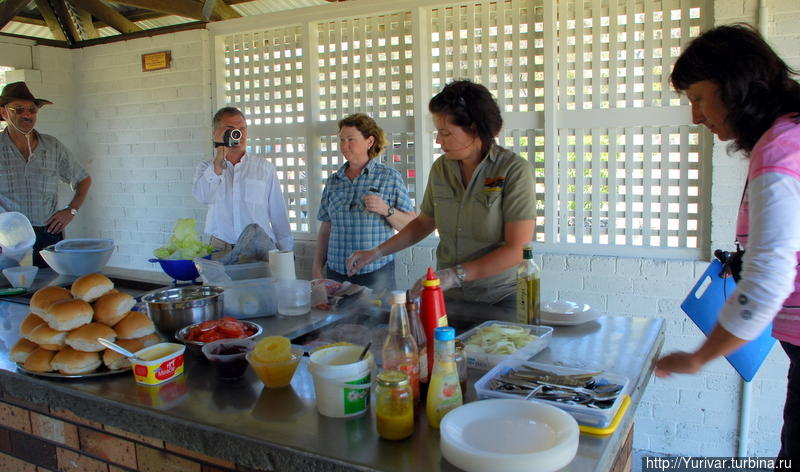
(480, 197)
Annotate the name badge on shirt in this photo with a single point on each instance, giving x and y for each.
(496, 184)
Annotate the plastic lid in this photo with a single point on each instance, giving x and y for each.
(84, 245)
(430, 279)
(393, 378)
(444, 333)
(398, 297)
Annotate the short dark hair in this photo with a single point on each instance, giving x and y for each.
(367, 127)
(225, 111)
(754, 83)
(471, 107)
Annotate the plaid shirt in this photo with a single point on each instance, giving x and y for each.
(31, 187)
(353, 227)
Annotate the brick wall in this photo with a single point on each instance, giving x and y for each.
(142, 134)
(34, 438)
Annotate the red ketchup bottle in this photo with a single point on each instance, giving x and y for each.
(432, 312)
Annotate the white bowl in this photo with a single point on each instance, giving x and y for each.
(567, 313)
(508, 435)
(22, 276)
(76, 263)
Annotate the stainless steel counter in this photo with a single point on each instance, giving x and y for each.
(280, 429)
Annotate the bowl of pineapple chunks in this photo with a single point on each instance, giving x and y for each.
(275, 360)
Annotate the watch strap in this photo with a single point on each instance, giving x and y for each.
(461, 274)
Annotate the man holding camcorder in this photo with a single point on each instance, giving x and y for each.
(238, 188)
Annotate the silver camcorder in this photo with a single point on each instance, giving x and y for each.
(232, 137)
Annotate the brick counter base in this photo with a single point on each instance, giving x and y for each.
(34, 438)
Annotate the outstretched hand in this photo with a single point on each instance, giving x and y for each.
(677, 363)
(447, 280)
(359, 259)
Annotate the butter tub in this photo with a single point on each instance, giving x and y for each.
(158, 363)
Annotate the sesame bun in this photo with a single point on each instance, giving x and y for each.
(68, 314)
(112, 307)
(28, 324)
(39, 360)
(22, 349)
(91, 287)
(85, 337)
(115, 361)
(136, 324)
(44, 297)
(48, 338)
(68, 361)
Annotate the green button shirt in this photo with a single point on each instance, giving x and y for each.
(470, 220)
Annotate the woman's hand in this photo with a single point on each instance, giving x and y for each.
(374, 203)
(359, 259)
(678, 363)
(447, 280)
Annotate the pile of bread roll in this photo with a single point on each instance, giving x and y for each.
(60, 334)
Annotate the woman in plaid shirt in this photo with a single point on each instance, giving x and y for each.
(363, 204)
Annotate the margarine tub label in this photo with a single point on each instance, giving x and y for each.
(159, 363)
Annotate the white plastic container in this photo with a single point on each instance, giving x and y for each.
(251, 298)
(595, 417)
(482, 361)
(341, 381)
(22, 276)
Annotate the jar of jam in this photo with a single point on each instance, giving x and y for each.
(394, 407)
(461, 365)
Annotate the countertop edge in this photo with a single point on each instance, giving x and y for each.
(208, 440)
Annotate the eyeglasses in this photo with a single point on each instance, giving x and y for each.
(33, 109)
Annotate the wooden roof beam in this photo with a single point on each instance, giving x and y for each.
(184, 8)
(50, 18)
(110, 16)
(9, 9)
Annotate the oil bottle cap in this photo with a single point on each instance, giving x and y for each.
(444, 333)
(430, 279)
(398, 297)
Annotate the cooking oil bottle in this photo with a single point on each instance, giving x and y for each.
(528, 293)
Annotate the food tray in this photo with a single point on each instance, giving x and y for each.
(481, 361)
(56, 375)
(595, 417)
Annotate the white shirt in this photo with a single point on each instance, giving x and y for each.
(769, 263)
(248, 192)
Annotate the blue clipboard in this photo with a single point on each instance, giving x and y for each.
(703, 305)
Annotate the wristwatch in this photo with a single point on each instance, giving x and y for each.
(389, 212)
(461, 274)
(72, 211)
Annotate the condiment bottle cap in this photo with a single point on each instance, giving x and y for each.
(398, 296)
(444, 333)
(430, 279)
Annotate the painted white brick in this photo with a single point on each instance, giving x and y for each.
(629, 266)
(578, 264)
(603, 265)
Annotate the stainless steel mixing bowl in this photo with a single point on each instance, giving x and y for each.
(173, 308)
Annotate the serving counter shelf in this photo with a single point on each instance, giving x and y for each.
(244, 423)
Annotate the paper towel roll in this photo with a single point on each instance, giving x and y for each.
(281, 265)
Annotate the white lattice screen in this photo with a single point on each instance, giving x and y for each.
(622, 167)
(619, 184)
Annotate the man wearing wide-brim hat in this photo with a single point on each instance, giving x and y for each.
(31, 164)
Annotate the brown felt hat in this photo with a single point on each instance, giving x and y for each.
(19, 91)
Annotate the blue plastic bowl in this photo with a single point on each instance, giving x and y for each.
(179, 269)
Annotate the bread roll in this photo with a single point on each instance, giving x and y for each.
(136, 324)
(22, 349)
(44, 297)
(91, 287)
(68, 361)
(115, 361)
(29, 324)
(112, 307)
(48, 338)
(39, 361)
(68, 314)
(85, 337)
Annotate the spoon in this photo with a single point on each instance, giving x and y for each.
(364, 352)
(116, 347)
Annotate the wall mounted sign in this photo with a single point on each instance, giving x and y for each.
(156, 61)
